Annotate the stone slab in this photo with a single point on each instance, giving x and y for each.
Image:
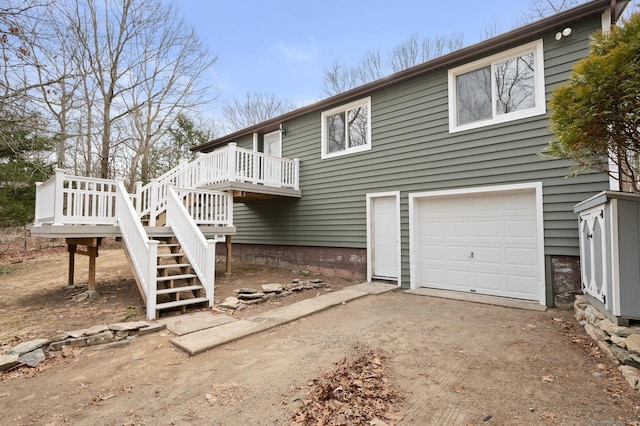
(478, 298)
(8, 361)
(307, 307)
(203, 340)
(29, 346)
(374, 287)
(190, 323)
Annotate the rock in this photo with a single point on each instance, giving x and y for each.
(8, 361)
(128, 326)
(96, 329)
(295, 281)
(285, 293)
(580, 315)
(625, 357)
(580, 301)
(29, 346)
(152, 328)
(59, 337)
(633, 343)
(245, 290)
(76, 333)
(595, 332)
(118, 344)
(272, 288)
(317, 281)
(618, 340)
(81, 297)
(625, 331)
(98, 339)
(607, 326)
(631, 375)
(231, 303)
(121, 334)
(33, 359)
(592, 315)
(250, 296)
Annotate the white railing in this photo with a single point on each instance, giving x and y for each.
(143, 251)
(226, 164)
(207, 207)
(75, 200)
(200, 251)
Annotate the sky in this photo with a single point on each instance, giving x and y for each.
(284, 46)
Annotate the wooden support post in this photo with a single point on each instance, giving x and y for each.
(92, 245)
(71, 248)
(227, 242)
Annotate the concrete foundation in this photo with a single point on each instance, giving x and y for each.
(341, 262)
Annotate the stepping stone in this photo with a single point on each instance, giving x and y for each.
(190, 323)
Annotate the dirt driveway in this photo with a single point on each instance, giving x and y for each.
(456, 363)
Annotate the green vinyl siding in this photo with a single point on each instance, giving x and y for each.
(413, 151)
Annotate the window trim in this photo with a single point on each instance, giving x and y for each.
(535, 47)
(366, 102)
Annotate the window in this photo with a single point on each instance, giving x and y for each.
(347, 129)
(504, 87)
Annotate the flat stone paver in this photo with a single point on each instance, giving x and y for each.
(220, 329)
(190, 323)
(203, 340)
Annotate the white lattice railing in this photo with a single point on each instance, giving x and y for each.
(143, 252)
(230, 163)
(207, 207)
(200, 251)
(76, 200)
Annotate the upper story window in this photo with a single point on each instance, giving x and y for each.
(347, 129)
(503, 87)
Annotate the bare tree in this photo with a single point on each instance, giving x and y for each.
(254, 108)
(375, 65)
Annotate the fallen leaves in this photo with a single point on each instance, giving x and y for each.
(547, 379)
(352, 393)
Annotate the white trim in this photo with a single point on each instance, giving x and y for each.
(614, 175)
(615, 257)
(540, 107)
(361, 148)
(537, 186)
(255, 141)
(606, 20)
(370, 198)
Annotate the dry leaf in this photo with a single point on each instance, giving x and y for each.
(458, 389)
(547, 379)
(549, 417)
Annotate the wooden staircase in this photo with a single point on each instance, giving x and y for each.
(178, 286)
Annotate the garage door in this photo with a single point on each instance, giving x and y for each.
(485, 243)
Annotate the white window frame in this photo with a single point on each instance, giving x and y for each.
(535, 47)
(366, 102)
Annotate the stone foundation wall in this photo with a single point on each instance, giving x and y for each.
(350, 263)
(565, 271)
(621, 344)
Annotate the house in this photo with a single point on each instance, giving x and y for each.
(432, 177)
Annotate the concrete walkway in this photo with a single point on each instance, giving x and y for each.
(202, 331)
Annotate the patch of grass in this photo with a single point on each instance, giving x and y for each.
(6, 270)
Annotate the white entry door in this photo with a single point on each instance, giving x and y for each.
(479, 242)
(384, 237)
(273, 147)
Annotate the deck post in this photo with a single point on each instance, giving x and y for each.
(92, 245)
(58, 201)
(232, 172)
(71, 248)
(227, 243)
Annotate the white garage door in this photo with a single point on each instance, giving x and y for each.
(483, 242)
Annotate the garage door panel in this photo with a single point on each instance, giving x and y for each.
(521, 257)
(483, 242)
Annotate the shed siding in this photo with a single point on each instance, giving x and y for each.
(413, 151)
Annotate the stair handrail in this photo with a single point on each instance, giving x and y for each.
(200, 251)
(143, 251)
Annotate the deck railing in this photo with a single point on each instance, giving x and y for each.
(143, 251)
(75, 200)
(207, 207)
(200, 251)
(230, 163)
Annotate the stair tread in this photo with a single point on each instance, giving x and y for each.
(182, 302)
(170, 254)
(179, 289)
(176, 277)
(173, 265)
(168, 245)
